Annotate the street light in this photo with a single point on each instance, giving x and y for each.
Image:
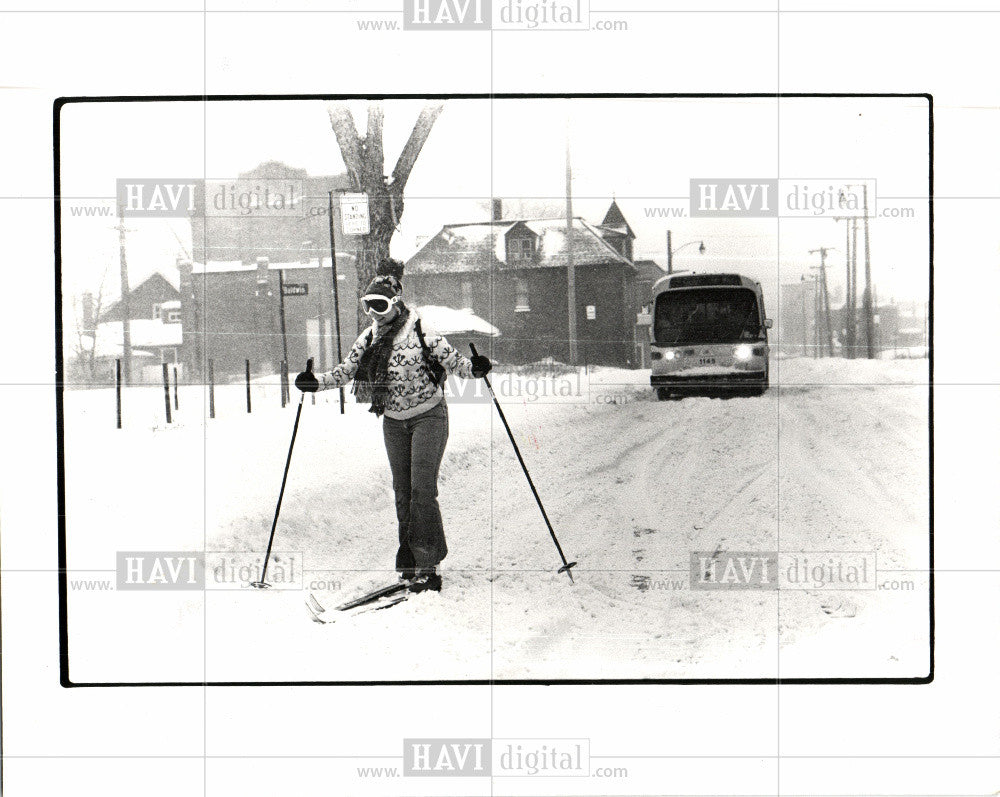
(671, 251)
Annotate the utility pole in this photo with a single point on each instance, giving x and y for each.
(124, 303)
(854, 287)
(817, 340)
(570, 267)
(869, 317)
(875, 319)
(805, 326)
(670, 255)
(825, 295)
(850, 324)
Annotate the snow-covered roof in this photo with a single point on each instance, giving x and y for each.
(448, 321)
(480, 246)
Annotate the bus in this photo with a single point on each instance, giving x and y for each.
(709, 336)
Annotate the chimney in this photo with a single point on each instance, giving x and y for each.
(497, 209)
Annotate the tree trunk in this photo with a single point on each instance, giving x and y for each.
(365, 162)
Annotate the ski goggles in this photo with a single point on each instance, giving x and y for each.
(377, 303)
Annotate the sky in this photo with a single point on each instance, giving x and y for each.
(641, 152)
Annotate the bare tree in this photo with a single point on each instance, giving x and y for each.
(365, 162)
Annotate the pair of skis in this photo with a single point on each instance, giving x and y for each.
(381, 598)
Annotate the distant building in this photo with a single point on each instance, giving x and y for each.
(513, 272)
(147, 299)
(155, 330)
(229, 235)
(232, 312)
(648, 273)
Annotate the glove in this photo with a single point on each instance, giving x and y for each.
(307, 382)
(481, 366)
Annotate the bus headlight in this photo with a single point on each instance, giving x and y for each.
(743, 352)
(669, 355)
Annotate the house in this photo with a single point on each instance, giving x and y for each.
(155, 331)
(514, 273)
(148, 299)
(234, 311)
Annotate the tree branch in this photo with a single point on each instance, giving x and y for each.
(414, 144)
(348, 140)
(373, 142)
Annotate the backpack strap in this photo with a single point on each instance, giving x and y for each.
(420, 336)
(435, 368)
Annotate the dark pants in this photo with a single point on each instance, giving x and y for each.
(415, 447)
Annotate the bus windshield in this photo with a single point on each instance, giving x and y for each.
(707, 315)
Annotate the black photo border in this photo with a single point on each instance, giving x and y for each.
(64, 671)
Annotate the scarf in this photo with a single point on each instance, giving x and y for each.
(371, 383)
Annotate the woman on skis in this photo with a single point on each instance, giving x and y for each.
(399, 367)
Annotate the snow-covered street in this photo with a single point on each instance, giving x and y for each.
(834, 458)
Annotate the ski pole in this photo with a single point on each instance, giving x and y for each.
(262, 584)
(566, 565)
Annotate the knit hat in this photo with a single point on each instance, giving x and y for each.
(384, 285)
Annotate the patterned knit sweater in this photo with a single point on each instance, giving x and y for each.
(411, 390)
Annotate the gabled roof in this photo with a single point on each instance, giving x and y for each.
(171, 282)
(614, 220)
(481, 246)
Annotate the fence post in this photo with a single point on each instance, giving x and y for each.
(211, 388)
(248, 386)
(177, 406)
(166, 391)
(118, 391)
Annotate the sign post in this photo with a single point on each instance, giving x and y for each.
(284, 334)
(336, 292)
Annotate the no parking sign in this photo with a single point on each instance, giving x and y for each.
(354, 214)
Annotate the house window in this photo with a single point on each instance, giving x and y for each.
(521, 301)
(522, 249)
(174, 317)
(157, 307)
(467, 293)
